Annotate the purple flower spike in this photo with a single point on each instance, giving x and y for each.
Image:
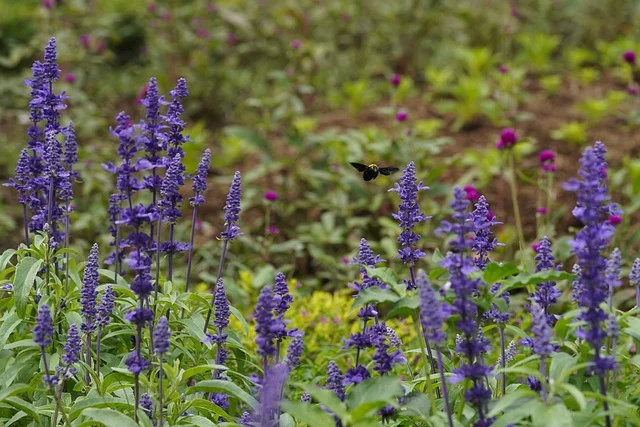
(484, 241)
(161, 336)
(200, 179)
(634, 279)
(271, 393)
(431, 314)
(356, 375)
(612, 273)
(282, 299)
(106, 307)
(51, 71)
(409, 214)
(146, 404)
(593, 208)
(263, 316)
(222, 307)
(541, 332)
(71, 353)
(383, 360)
(89, 292)
(335, 380)
(170, 191)
(43, 331)
(136, 363)
(232, 209)
(294, 352)
(546, 293)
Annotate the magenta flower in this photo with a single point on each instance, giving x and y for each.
(402, 116)
(508, 138)
(535, 246)
(295, 44)
(70, 78)
(629, 57)
(395, 80)
(271, 195)
(472, 192)
(615, 219)
(542, 211)
(632, 90)
(503, 69)
(273, 230)
(547, 160)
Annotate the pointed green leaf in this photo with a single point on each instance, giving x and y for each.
(498, 271)
(224, 387)
(8, 325)
(309, 414)
(109, 417)
(23, 281)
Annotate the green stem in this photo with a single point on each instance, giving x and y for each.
(513, 186)
(160, 395)
(425, 360)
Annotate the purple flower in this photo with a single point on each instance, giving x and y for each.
(409, 214)
(401, 116)
(547, 160)
(146, 404)
(356, 375)
(161, 336)
(282, 299)
(265, 322)
(359, 340)
(541, 211)
(51, 71)
(106, 307)
(472, 192)
(200, 179)
(335, 380)
(615, 219)
(141, 284)
(509, 354)
(484, 241)
(43, 331)
(136, 363)
(395, 80)
(273, 230)
(383, 360)
(508, 138)
(89, 291)
(271, 393)
(629, 57)
(232, 209)
(72, 346)
(546, 293)
(168, 205)
(295, 44)
(222, 312)
(271, 196)
(593, 208)
(431, 314)
(576, 286)
(139, 316)
(306, 397)
(612, 272)
(541, 332)
(634, 279)
(294, 352)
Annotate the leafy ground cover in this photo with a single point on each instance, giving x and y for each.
(491, 281)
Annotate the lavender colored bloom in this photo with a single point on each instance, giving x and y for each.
(383, 361)
(335, 380)
(22, 180)
(72, 346)
(245, 419)
(356, 375)
(151, 136)
(366, 258)
(359, 340)
(576, 286)
(161, 336)
(541, 332)
(43, 331)
(306, 397)
(509, 354)
(282, 299)
(263, 315)
(174, 138)
(612, 273)
(106, 307)
(431, 315)
(232, 209)
(141, 284)
(634, 279)
(89, 291)
(146, 404)
(136, 363)
(70, 150)
(271, 393)
(139, 316)
(294, 352)
(222, 312)
(51, 71)
(126, 182)
(546, 293)
(200, 179)
(394, 339)
(169, 191)
(409, 214)
(484, 241)
(471, 345)
(593, 208)
(534, 383)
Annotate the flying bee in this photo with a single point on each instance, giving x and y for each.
(371, 172)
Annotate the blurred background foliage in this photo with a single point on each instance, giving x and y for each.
(290, 91)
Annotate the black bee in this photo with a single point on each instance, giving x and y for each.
(371, 172)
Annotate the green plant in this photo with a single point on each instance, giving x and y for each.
(572, 132)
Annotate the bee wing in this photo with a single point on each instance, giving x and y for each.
(370, 174)
(359, 166)
(388, 170)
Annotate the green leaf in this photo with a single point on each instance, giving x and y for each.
(498, 271)
(209, 407)
(98, 402)
(8, 326)
(372, 394)
(197, 421)
(23, 280)
(13, 390)
(515, 399)
(110, 417)
(24, 406)
(576, 393)
(326, 398)
(385, 274)
(374, 295)
(437, 273)
(6, 257)
(236, 313)
(110, 275)
(191, 372)
(311, 415)
(560, 364)
(405, 307)
(249, 136)
(525, 279)
(226, 387)
(417, 406)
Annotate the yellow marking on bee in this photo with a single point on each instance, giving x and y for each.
(373, 165)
